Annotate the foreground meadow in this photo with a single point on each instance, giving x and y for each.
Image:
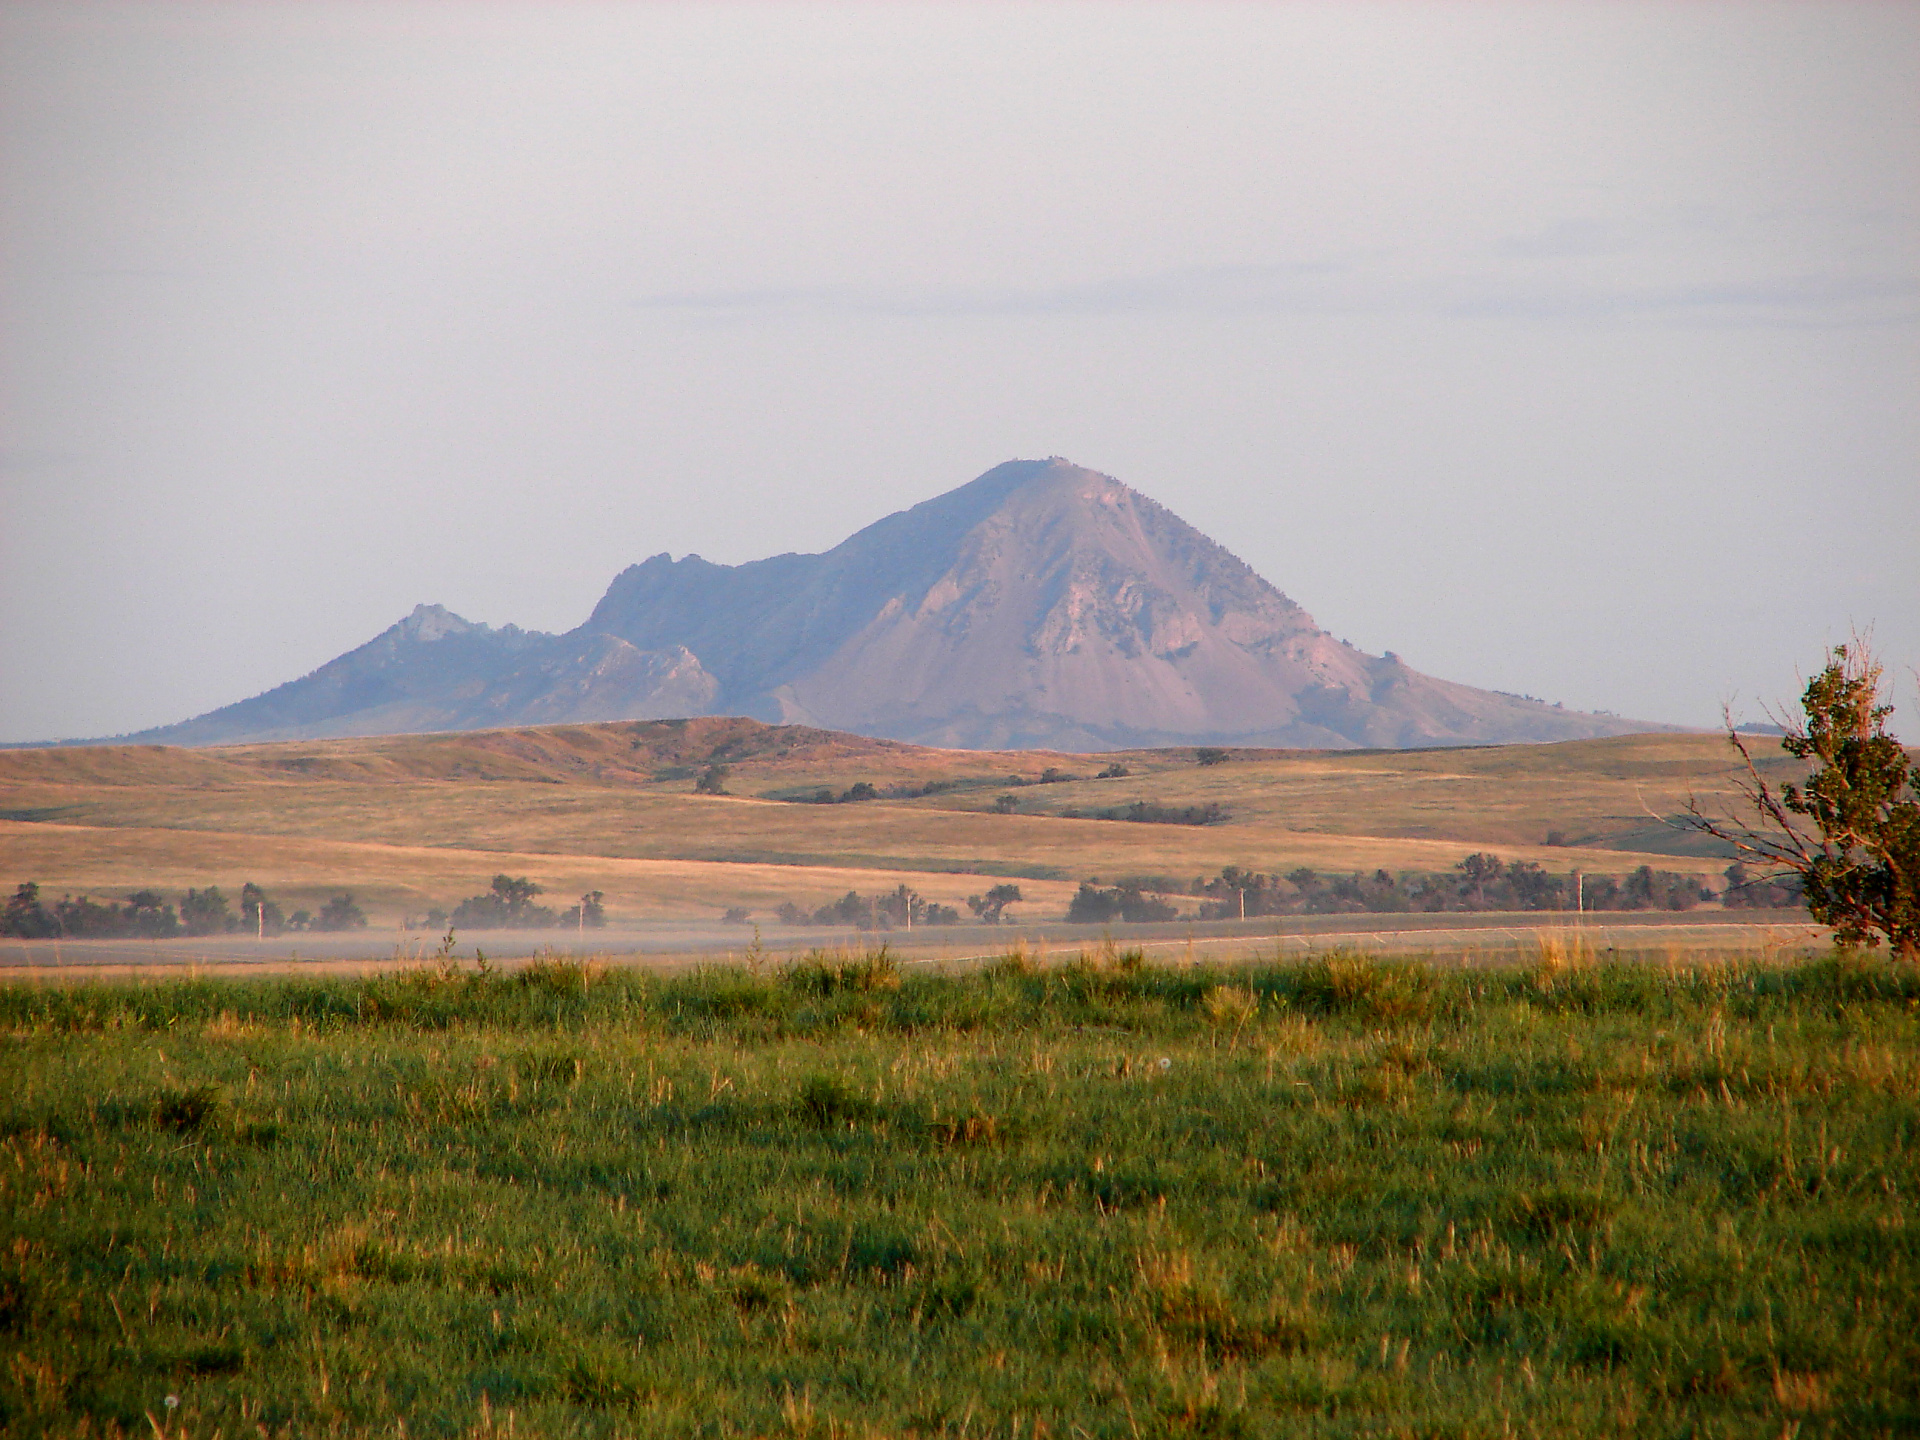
(1333, 1198)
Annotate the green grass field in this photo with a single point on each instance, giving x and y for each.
(846, 1199)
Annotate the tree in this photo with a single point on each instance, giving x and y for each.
(1126, 901)
(204, 912)
(903, 907)
(258, 913)
(26, 918)
(339, 913)
(712, 781)
(1480, 869)
(852, 908)
(1745, 891)
(508, 906)
(1237, 894)
(1533, 888)
(1211, 755)
(1851, 833)
(515, 894)
(149, 914)
(990, 906)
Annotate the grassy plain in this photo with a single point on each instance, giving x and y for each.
(1104, 1199)
(410, 821)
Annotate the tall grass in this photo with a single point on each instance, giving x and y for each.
(1345, 1197)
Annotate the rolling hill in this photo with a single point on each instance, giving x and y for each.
(409, 821)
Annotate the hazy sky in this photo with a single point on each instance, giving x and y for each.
(1569, 349)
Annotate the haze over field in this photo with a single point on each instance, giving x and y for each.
(1555, 348)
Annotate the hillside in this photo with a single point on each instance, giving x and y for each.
(1041, 605)
(411, 821)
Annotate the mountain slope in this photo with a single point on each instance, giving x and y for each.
(1047, 605)
(1042, 605)
(436, 671)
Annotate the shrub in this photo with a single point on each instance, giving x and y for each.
(824, 975)
(1347, 984)
(186, 1110)
(825, 1102)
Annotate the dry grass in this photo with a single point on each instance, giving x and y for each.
(407, 821)
(390, 880)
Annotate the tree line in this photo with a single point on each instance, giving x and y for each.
(1482, 881)
(902, 908)
(148, 914)
(509, 904)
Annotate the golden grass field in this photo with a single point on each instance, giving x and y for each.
(406, 822)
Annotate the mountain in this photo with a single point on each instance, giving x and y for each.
(436, 671)
(1041, 605)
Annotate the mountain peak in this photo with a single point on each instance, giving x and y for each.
(1042, 604)
(427, 623)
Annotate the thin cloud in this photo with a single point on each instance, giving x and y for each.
(1573, 272)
